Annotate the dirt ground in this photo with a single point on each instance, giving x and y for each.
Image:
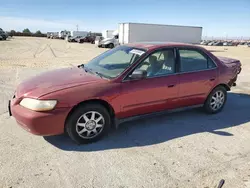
(185, 149)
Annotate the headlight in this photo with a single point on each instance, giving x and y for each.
(38, 105)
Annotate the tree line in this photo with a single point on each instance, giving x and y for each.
(27, 32)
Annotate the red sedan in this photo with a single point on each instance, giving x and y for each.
(127, 82)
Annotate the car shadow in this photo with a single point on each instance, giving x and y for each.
(162, 128)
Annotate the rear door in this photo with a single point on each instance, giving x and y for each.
(198, 75)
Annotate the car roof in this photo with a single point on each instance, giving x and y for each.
(156, 45)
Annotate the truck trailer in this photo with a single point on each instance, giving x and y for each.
(107, 33)
(140, 32)
(79, 33)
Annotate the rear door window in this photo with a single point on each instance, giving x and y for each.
(192, 60)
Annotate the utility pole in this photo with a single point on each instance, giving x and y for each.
(77, 27)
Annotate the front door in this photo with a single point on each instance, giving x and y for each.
(198, 75)
(157, 92)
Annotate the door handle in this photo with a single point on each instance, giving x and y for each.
(212, 79)
(171, 85)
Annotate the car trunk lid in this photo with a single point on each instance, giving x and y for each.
(229, 62)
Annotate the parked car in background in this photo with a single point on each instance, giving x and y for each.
(53, 35)
(211, 43)
(141, 79)
(109, 42)
(63, 34)
(1, 38)
(206, 42)
(235, 43)
(74, 39)
(98, 39)
(243, 43)
(3, 35)
(202, 42)
(248, 44)
(89, 38)
(49, 34)
(218, 44)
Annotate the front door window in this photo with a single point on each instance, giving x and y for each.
(160, 63)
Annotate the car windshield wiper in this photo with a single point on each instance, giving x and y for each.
(85, 68)
(80, 66)
(91, 71)
(99, 74)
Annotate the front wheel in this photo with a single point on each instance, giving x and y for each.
(88, 123)
(216, 100)
(111, 45)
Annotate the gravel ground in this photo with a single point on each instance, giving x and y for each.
(185, 149)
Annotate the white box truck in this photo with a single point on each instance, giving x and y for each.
(79, 33)
(140, 32)
(107, 33)
(63, 34)
(75, 34)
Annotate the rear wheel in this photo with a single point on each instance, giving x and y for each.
(88, 123)
(216, 100)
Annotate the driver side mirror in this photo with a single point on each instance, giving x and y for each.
(138, 74)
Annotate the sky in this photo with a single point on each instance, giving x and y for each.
(219, 18)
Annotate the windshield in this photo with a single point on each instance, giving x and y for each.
(113, 62)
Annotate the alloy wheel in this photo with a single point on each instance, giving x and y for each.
(217, 100)
(90, 124)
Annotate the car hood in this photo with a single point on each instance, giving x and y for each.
(56, 80)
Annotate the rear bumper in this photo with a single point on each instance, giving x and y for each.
(232, 82)
(239, 70)
(40, 123)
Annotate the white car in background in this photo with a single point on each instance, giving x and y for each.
(98, 40)
(109, 42)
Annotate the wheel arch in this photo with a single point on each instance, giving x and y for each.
(104, 103)
(226, 86)
(221, 84)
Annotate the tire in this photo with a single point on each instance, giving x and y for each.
(216, 100)
(111, 45)
(82, 131)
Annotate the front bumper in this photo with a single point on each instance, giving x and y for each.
(39, 123)
(103, 45)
